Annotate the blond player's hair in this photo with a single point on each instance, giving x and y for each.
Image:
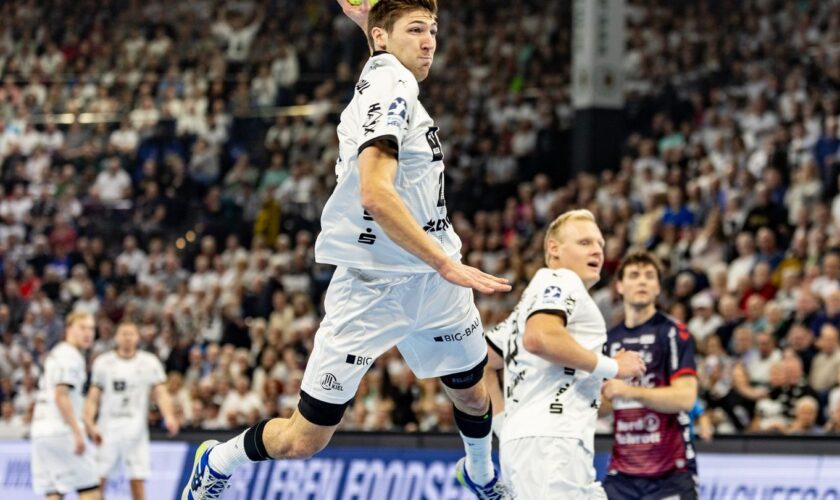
(75, 316)
(557, 224)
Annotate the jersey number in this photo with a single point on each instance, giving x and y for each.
(119, 385)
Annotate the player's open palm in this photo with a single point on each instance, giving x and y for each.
(358, 13)
(630, 364)
(470, 277)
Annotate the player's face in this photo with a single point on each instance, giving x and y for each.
(127, 338)
(640, 285)
(412, 41)
(82, 332)
(580, 248)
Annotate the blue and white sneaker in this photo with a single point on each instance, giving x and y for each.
(205, 484)
(494, 490)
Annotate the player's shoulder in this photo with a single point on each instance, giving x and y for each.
(66, 352)
(104, 359)
(148, 358)
(107, 356)
(559, 276)
(668, 326)
(666, 322)
(384, 67)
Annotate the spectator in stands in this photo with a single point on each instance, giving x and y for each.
(825, 367)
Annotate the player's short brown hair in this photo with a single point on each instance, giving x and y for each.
(386, 12)
(636, 258)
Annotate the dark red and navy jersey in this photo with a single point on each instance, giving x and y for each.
(649, 443)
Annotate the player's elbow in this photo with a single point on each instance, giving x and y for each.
(375, 195)
(532, 341)
(371, 200)
(685, 401)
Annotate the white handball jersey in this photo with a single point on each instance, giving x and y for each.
(125, 385)
(385, 108)
(544, 399)
(65, 365)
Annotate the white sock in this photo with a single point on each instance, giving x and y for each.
(479, 458)
(228, 456)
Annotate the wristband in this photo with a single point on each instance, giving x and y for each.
(605, 368)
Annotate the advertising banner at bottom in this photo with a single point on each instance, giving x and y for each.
(425, 474)
(769, 477)
(167, 471)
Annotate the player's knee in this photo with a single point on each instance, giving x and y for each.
(303, 449)
(467, 390)
(473, 401)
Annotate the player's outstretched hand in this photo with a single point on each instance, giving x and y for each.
(630, 364)
(358, 13)
(470, 277)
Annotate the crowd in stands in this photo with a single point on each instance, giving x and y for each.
(166, 163)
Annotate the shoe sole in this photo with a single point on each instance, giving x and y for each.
(185, 493)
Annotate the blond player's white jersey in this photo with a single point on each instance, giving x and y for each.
(385, 108)
(65, 365)
(543, 398)
(125, 385)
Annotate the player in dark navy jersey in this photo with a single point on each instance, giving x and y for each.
(653, 455)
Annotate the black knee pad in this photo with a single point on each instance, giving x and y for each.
(467, 379)
(320, 412)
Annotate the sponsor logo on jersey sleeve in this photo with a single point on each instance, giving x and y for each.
(397, 112)
(552, 294)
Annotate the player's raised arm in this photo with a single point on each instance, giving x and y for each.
(358, 13)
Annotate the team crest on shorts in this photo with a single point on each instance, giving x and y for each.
(329, 382)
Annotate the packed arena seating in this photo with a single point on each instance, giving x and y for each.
(166, 163)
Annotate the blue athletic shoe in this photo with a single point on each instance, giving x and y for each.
(205, 484)
(494, 490)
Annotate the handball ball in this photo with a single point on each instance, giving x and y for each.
(359, 2)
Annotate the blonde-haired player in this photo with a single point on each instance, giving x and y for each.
(120, 385)
(550, 348)
(62, 458)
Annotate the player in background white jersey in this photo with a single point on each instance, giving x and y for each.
(551, 350)
(62, 457)
(121, 382)
(399, 279)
